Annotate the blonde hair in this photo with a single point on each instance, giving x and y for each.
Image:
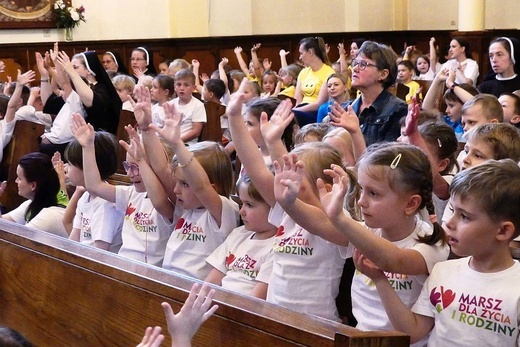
(124, 82)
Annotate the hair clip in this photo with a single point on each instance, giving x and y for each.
(396, 161)
(439, 142)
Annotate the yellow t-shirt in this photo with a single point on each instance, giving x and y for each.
(289, 91)
(311, 82)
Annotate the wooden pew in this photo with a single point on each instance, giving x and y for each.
(24, 140)
(211, 131)
(59, 293)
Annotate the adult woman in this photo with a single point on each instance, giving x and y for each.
(309, 94)
(142, 62)
(112, 62)
(466, 68)
(38, 182)
(95, 89)
(374, 70)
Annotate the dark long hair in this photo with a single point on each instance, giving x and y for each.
(37, 167)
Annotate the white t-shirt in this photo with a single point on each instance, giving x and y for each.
(30, 114)
(158, 115)
(98, 220)
(470, 71)
(195, 236)
(471, 308)
(366, 303)
(6, 132)
(194, 112)
(241, 259)
(145, 231)
(49, 219)
(60, 131)
(306, 269)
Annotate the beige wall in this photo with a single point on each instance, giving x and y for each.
(121, 19)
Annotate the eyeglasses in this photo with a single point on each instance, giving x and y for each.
(361, 64)
(136, 59)
(131, 168)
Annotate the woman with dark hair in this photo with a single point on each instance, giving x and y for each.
(142, 62)
(38, 182)
(112, 62)
(96, 91)
(460, 61)
(379, 111)
(309, 93)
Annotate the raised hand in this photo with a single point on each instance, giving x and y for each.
(256, 47)
(341, 49)
(283, 53)
(135, 148)
(41, 65)
(2, 66)
(272, 129)
(152, 337)
(238, 50)
(64, 60)
(234, 106)
(224, 62)
(195, 63)
(24, 78)
(83, 132)
(346, 119)
(143, 106)
(333, 200)
(138, 73)
(266, 63)
(412, 118)
(288, 180)
(171, 132)
(204, 77)
(53, 53)
(3, 185)
(195, 311)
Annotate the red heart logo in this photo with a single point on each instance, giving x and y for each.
(447, 297)
(180, 223)
(280, 232)
(229, 259)
(129, 210)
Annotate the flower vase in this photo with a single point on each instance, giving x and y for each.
(68, 34)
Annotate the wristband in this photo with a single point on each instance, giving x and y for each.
(45, 81)
(187, 163)
(454, 84)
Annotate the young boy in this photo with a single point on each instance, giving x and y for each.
(124, 85)
(472, 301)
(511, 105)
(192, 108)
(97, 222)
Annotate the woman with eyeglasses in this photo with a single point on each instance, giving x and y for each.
(309, 93)
(141, 61)
(379, 111)
(112, 62)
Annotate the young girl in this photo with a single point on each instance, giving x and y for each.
(423, 70)
(239, 261)
(97, 222)
(268, 81)
(202, 181)
(338, 92)
(300, 260)
(404, 74)
(164, 66)
(396, 183)
(163, 88)
(38, 182)
(144, 232)
(287, 78)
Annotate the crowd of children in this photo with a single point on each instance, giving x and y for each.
(319, 178)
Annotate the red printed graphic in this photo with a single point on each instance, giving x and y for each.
(441, 299)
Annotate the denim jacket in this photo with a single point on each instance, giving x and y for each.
(380, 121)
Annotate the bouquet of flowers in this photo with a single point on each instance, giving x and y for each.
(66, 15)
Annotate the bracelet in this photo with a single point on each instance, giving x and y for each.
(45, 81)
(188, 163)
(454, 84)
(145, 130)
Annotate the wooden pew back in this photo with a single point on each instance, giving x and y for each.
(211, 131)
(60, 293)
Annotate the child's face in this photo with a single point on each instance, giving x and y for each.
(206, 95)
(249, 94)
(381, 206)
(453, 109)
(253, 126)
(508, 105)
(473, 117)
(286, 79)
(353, 50)
(132, 171)
(157, 93)
(25, 188)
(404, 74)
(164, 69)
(185, 195)
(477, 152)
(422, 65)
(184, 89)
(123, 94)
(251, 70)
(336, 87)
(254, 213)
(470, 230)
(269, 84)
(74, 175)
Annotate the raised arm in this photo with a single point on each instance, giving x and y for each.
(401, 317)
(194, 173)
(348, 120)
(283, 57)
(382, 252)
(222, 71)
(433, 55)
(343, 60)
(273, 129)
(463, 95)
(86, 94)
(45, 82)
(241, 61)
(257, 65)
(85, 134)
(14, 100)
(196, 70)
(432, 95)
(246, 148)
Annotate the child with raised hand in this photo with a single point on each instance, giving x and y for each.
(97, 222)
(144, 232)
(239, 260)
(204, 215)
(396, 183)
(472, 301)
(300, 259)
(405, 71)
